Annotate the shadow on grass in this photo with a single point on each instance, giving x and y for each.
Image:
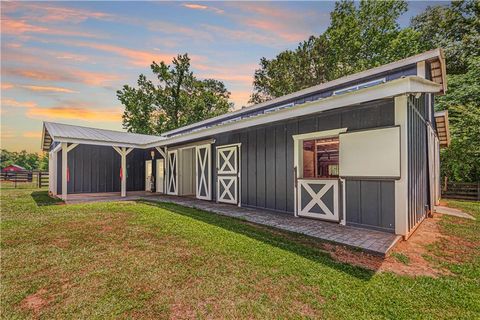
(42, 198)
(303, 246)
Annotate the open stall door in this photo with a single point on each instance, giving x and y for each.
(228, 174)
(203, 172)
(172, 169)
(160, 174)
(148, 175)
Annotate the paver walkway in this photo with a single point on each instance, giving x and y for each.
(372, 241)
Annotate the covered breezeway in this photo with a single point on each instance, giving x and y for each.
(94, 161)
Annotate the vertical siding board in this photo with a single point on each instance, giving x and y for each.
(417, 168)
(270, 167)
(353, 204)
(292, 129)
(59, 172)
(260, 165)
(280, 168)
(252, 167)
(244, 167)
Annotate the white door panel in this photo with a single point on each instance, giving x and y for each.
(228, 174)
(172, 169)
(318, 199)
(203, 168)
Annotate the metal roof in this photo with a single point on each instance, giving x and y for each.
(436, 56)
(443, 132)
(70, 133)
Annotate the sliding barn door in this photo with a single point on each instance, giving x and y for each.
(203, 165)
(228, 174)
(172, 169)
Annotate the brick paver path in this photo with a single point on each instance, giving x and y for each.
(368, 240)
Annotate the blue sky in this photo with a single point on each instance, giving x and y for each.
(64, 61)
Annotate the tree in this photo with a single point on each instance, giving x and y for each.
(30, 161)
(357, 39)
(178, 98)
(455, 28)
(461, 161)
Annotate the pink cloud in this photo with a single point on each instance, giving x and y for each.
(75, 112)
(196, 6)
(136, 57)
(18, 104)
(48, 13)
(63, 74)
(49, 89)
(6, 85)
(277, 28)
(20, 27)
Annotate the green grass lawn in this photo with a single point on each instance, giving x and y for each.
(145, 260)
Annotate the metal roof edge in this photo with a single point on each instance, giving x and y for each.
(438, 52)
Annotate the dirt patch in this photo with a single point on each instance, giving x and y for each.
(37, 301)
(415, 248)
(414, 251)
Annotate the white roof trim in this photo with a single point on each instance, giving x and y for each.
(436, 53)
(412, 84)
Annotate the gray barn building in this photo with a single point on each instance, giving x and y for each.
(361, 150)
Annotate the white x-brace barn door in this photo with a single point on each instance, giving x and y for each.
(172, 170)
(318, 199)
(203, 167)
(228, 174)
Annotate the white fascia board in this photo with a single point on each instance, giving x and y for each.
(98, 143)
(435, 53)
(412, 84)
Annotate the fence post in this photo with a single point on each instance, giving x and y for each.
(15, 179)
(39, 179)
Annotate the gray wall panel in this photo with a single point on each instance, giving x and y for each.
(267, 163)
(260, 165)
(280, 187)
(371, 203)
(251, 168)
(270, 162)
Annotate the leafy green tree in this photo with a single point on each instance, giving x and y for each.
(177, 98)
(455, 28)
(30, 161)
(139, 106)
(357, 39)
(461, 161)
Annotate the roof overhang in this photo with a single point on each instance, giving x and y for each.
(435, 57)
(443, 131)
(47, 140)
(407, 85)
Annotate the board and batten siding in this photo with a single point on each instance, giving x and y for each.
(267, 179)
(418, 175)
(97, 169)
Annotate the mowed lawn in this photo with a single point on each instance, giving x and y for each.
(146, 260)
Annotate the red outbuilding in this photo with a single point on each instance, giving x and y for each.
(14, 168)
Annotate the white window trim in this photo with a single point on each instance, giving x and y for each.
(298, 156)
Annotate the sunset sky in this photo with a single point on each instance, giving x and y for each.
(64, 61)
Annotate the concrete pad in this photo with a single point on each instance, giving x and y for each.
(453, 212)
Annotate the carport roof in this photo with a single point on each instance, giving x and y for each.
(77, 134)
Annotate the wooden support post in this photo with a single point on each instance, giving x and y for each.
(64, 170)
(123, 152)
